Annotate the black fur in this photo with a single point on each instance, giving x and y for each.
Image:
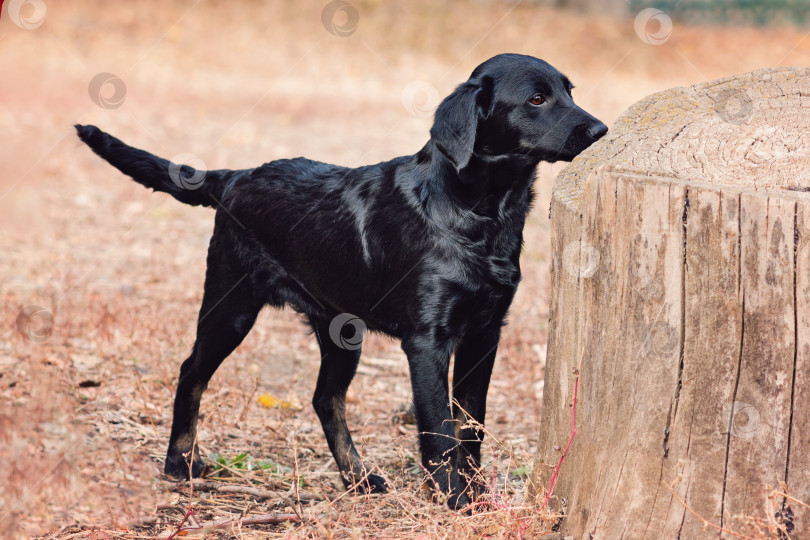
(424, 248)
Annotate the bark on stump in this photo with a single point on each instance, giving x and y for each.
(680, 305)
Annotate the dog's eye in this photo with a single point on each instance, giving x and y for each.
(537, 99)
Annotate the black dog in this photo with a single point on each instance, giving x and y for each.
(424, 248)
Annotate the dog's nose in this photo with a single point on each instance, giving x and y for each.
(597, 131)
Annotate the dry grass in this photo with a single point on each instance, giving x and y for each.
(84, 415)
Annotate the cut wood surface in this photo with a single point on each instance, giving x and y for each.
(681, 300)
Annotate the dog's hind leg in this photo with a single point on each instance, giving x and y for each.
(229, 309)
(338, 366)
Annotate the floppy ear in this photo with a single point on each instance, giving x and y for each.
(456, 120)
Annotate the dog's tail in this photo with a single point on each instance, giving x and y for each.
(184, 183)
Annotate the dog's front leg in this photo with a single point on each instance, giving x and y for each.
(472, 369)
(429, 360)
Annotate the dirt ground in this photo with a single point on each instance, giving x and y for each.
(85, 400)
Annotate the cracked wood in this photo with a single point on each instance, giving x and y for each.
(681, 292)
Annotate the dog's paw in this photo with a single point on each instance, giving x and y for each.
(177, 466)
(459, 502)
(373, 484)
(475, 487)
(370, 483)
(456, 498)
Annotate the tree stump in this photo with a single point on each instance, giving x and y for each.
(680, 318)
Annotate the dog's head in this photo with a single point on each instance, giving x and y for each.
(513, 106)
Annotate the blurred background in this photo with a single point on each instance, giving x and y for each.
(100, 280)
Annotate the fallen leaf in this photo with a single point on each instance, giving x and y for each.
(266, 400)
(270, 401)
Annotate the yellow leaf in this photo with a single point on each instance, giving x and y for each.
(266, 400)
(271, 402)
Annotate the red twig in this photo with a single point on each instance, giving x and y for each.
(567, 446)
(189, 510)
(189, 513)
